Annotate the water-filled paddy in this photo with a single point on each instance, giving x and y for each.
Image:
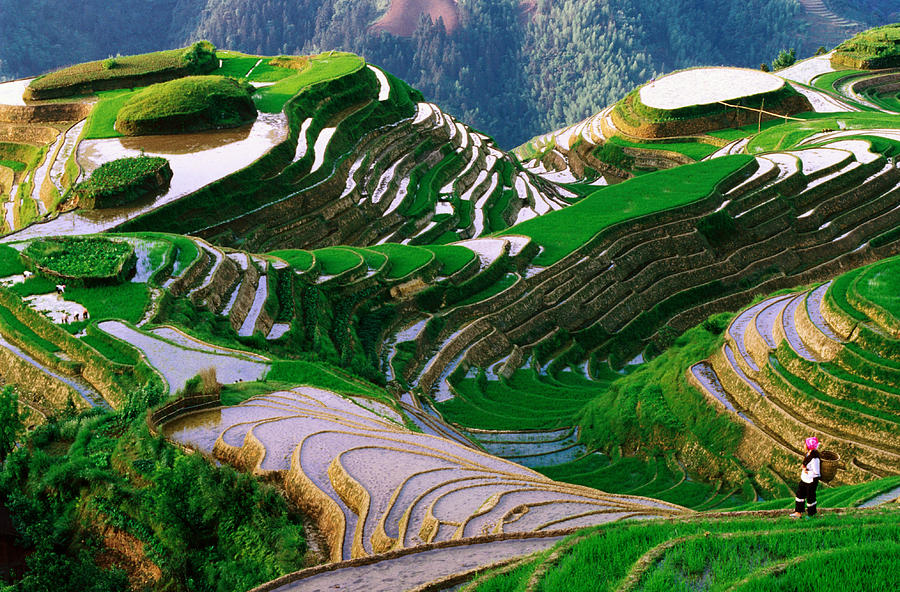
(196, 160)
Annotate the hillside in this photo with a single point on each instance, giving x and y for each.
(352, 339)
(550, 62)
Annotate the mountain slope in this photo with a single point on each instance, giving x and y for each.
(551, 62)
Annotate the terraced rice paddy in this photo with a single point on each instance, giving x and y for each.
(178, 364)
(702, 86)
(196, 160)
(787, 371)
(425, 341)
(436, 489)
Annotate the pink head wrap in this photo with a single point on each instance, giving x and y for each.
(812, 443)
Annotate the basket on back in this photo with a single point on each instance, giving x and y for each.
(830, 462)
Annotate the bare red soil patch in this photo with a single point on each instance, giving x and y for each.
(402, 17)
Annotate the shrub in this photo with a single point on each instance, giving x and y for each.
(82, 259)
(717, 227)
(784, 59)
(124, 180)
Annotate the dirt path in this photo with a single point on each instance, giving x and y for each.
(413, 569)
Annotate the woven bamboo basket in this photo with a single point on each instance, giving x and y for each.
(830, 462)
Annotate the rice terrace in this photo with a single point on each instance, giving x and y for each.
(279, 323)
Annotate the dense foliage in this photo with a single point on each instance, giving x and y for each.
(549, 62)
(80, 480)
(10, 421)
(83, 257)
(123, 180)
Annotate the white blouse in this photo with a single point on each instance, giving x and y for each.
(813, 470)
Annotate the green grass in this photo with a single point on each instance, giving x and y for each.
(299, 260)
(33, 285)
(563, 231)
(335, 260)
(502, 284)
(404, 259)
(111, 353)
(845, 411)
(523, 401)
(123, 301)
(187, 253)
(635, 475)
(238, 65)
(14, 165)
(695, 150)
(10, 263)
(31, 338)
(238, 392)
(788, 135)
(26, 208)
(19, 157)
(844, 496)
(197, 58)
(452, 257)
(101, 122)
(880, 285)
(318, 374)
(194, 103)
(831, 552)
(655, 405)
(838, 292)
(886, 101)
(829, 80)
(271, 99)
(235, 67)
(266, 72)
(373, 259)
(736, 133)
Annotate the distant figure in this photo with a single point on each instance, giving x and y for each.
(810, 471)
(66, 318)
(76, 317)
(27, 274)
(84, 317)
(60, 289)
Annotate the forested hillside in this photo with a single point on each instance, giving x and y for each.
(549, 62)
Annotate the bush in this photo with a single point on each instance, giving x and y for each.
(124, 180)
(717, 227)
(784, 59)
(82, 259)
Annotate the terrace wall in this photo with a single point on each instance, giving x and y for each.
(49, 113)
(38, 385)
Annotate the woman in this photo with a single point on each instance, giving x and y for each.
(811, 470)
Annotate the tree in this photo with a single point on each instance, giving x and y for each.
(785, 58)
(10, 421)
